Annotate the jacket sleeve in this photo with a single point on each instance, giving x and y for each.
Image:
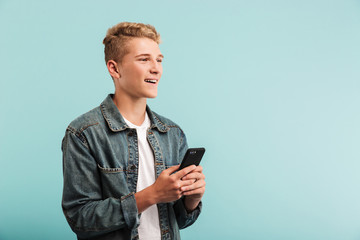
(185, 219)
(88, 214)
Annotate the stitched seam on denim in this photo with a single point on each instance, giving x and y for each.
(115, 170)
(126, 196)
(83, 136)
(111, 170)
(154, 152)
(161, 154)
(71, 129)
(107, 118)
(182, 134)
(79, 134)
(161, 123)
(84, 128)
(128, 146)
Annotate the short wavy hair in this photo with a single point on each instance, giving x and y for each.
(118, 36)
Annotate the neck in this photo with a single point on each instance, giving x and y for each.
(133, 109)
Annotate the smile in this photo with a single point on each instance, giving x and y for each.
(153, 81)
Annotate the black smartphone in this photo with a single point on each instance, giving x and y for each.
(192, 157)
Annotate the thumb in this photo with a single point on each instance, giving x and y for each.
(171, 170)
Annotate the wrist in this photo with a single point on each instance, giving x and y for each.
(145, 198)
(190, 203)
(152, 195)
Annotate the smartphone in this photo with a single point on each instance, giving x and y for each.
(192, 157)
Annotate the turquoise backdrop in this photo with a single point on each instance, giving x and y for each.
(270, 88)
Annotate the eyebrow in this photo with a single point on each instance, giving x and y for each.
(148, 55)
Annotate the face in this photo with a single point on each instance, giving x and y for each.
(140, 70)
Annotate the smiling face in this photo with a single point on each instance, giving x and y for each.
(139, 72)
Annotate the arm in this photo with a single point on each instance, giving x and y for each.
(86, 212)
(188, 208)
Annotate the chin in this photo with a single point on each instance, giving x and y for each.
(151, 95)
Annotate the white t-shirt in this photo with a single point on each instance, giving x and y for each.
(149, 228)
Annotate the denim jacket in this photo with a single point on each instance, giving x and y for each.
(100, 167)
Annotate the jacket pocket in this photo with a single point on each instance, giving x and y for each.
(113, 181)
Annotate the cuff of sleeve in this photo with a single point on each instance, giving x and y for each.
(130, 211)
(180, 205)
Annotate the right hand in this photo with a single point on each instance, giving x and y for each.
(167, 186)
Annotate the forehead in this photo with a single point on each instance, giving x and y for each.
(138, 46)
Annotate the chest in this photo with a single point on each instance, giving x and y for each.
(118, 154)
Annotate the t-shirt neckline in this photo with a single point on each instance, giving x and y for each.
(145, 124)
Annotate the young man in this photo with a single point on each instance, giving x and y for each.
(120, 160)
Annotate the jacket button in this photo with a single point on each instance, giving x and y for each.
(133, 167)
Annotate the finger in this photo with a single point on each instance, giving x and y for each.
(186, 183)
(184, 171)
(198, 184)
(172, 169)
(194, 175)
(198, 169)
(195, 191)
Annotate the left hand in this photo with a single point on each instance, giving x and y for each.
(195, 191)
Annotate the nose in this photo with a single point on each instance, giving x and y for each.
(155, 67)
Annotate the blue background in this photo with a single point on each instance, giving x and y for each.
(270, 88)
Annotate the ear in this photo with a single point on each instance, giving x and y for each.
(113, 69)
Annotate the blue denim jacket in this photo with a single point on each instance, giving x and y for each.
(100, 166)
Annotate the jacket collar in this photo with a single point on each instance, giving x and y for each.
(116, 121)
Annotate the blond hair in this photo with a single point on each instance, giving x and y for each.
(118, 36)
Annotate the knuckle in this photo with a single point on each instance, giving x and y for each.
(178, 194)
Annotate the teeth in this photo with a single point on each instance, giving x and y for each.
(150, 80)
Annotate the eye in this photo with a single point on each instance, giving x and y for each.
(159, 60)
(144, 59)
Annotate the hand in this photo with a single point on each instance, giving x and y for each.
(168, 186)
(196, 190)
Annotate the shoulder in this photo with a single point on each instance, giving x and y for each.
(85, 121)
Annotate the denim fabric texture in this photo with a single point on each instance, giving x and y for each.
(100, 169)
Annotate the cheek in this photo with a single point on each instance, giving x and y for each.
(133, 70)
(139, 71)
